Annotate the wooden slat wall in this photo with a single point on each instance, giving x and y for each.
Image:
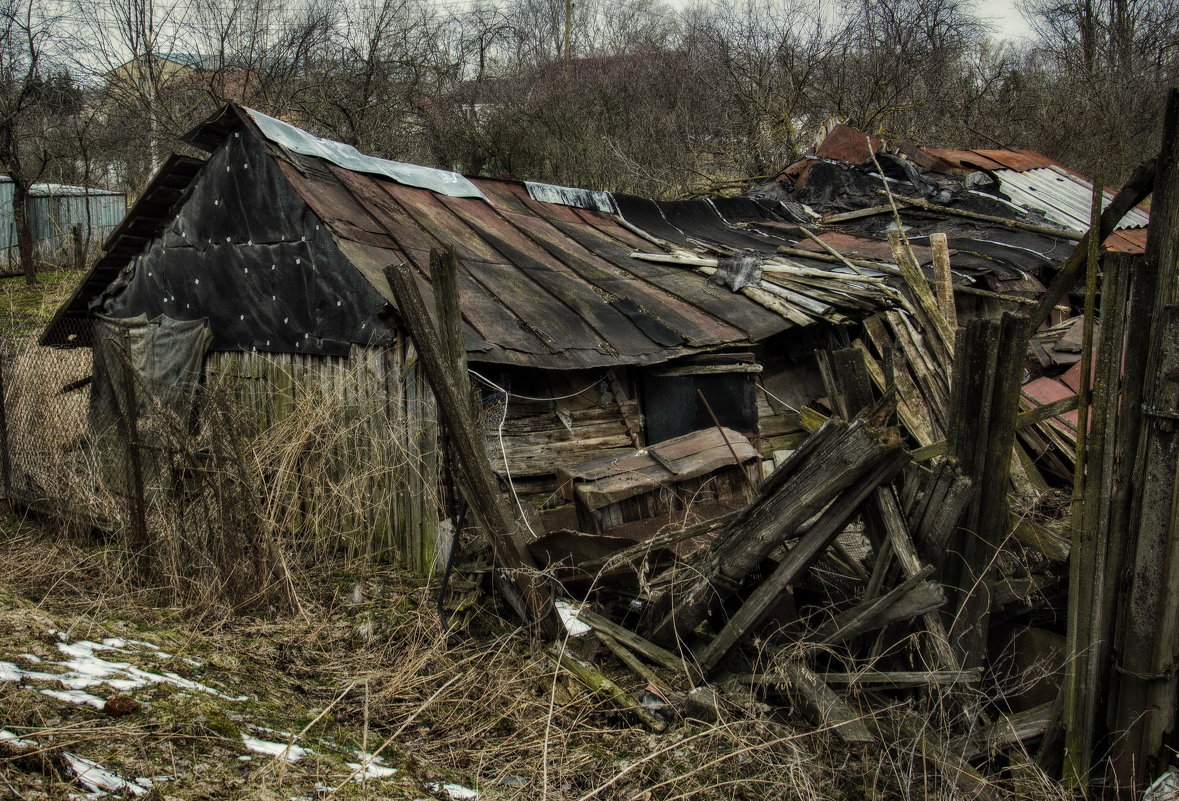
(352, 445)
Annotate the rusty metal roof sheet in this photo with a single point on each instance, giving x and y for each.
(555, 277)
(549, 279)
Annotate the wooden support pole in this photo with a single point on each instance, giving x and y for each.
(476, 480)
(925, 205)
(988, 376)
(1087, 557)
(828, 709)
(944, 278)
(1148, 691)
(444, 280)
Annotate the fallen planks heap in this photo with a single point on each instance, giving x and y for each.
(899, 576)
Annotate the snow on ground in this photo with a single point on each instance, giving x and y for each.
(83, 670)
(100, 781)
(287, 751)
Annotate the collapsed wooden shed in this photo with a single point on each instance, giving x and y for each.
(596, 324)
(585, 332)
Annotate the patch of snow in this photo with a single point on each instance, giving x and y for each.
(374, 767)
(16, 742)
(30, 657)
(568, 614)
(455, 791)
(76, 697)
(371, 771)
(83, 670)
(291, 753)
(98, 779)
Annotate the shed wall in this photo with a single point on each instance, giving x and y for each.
(52, 216)
(351, 443)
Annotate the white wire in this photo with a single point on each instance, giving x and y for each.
(498, 388)
(499, 431)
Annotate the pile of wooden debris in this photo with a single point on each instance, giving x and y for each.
(906, 571)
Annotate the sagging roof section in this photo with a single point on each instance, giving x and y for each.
(550, 277)
(566, 278)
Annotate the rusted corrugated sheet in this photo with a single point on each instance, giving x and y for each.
(541, 284)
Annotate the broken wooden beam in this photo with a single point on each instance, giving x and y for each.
(826, 708)
(598, 683)
(873, 679)
(913, 597)
(817, 538)
(634, 642)
(838, 456)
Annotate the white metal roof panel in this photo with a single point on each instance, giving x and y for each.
(1063, 198)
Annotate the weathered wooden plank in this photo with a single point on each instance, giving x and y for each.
(829, 709)
(639, 645)
(887, 510)
(944, 279)
(817, 538)
(912, 597)
(597, 682)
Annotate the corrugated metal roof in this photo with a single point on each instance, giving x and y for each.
(61, 190)
(1063, 198)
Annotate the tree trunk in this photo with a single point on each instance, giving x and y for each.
(24, 232)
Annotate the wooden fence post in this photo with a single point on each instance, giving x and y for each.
(1145, 701)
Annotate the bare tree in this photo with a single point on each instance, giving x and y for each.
(31, 95)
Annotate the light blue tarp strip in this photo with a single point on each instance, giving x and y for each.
(591, 199)
(444, 182)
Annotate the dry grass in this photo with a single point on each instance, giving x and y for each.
(484, 706)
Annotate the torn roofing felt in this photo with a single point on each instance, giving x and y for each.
(283, 251)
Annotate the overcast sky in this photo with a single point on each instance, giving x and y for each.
(1003, 14)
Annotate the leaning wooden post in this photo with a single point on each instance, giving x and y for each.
(444, 279)
(1145, 703)
(477, 482)
(1087, 555)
